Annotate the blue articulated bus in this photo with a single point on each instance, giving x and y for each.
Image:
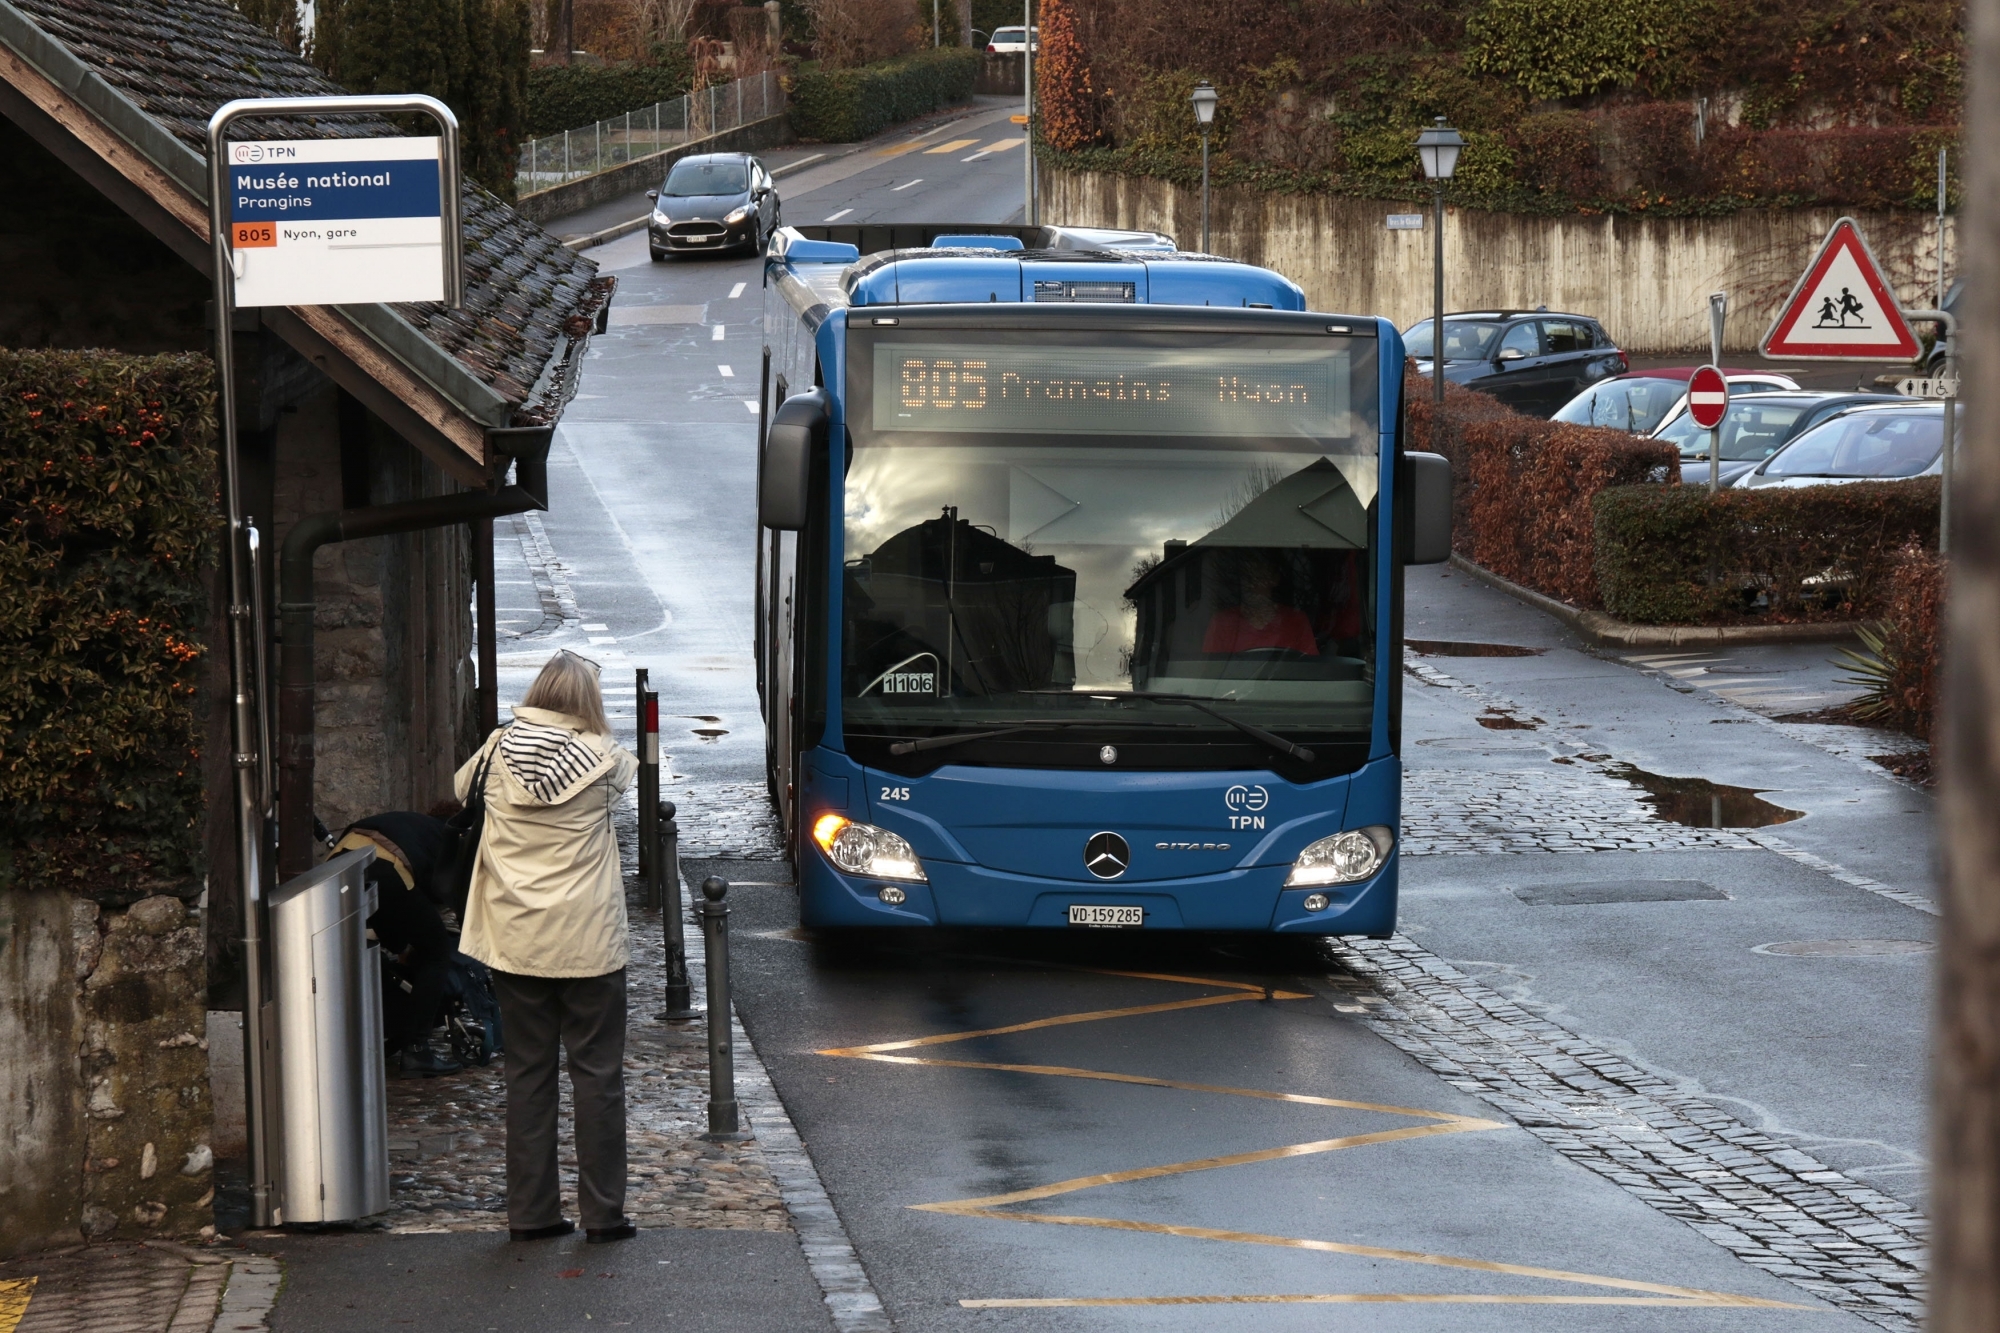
(1079, 587)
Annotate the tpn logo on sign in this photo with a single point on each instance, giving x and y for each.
(336, 221)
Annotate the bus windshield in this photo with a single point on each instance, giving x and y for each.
(1038, 534)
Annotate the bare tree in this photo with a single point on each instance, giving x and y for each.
(1965, 1182)
(666, 22)
(561, 25)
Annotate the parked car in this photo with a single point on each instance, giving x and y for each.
(1533, 361)
(1758, 426)
(1934, 364)
(713, 201)
(1011, 41)
(1869, 442)
(1640, 400)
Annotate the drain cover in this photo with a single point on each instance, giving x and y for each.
(1843, 948)
(1617, 891)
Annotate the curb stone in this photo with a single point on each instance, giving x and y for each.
(1607, 631)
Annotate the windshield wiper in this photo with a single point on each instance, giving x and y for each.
(1250, 729)
(1051, 724)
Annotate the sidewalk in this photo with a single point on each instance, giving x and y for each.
(148, 1287)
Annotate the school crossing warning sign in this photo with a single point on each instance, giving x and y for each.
(336, 221)
(1842, 309)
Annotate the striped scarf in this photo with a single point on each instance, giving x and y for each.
(551, 762)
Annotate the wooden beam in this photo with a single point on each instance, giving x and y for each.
(429, 421)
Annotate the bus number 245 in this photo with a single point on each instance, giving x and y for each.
(895, 794)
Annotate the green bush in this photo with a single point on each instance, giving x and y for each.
(845, 105)
(1566, 48)
(569, 97)
(108, 521)
(1674, 555)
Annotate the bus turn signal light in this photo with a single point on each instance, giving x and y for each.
(863, 849)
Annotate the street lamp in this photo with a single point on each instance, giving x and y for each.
(1204, 100)
(1438, 147)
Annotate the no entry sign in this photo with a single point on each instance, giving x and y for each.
(1708, 397)
(336, 221)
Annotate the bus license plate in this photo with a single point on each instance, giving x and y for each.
(1081, 915)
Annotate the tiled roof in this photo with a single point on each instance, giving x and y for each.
(526, 296)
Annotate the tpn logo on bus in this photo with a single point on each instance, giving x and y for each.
(1252, 799)
(1106, 855)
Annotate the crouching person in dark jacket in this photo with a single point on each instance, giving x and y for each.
(408, 850)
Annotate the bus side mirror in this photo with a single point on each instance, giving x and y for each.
(1427, 482)
(787, 465)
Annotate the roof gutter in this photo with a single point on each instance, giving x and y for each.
(528, 447)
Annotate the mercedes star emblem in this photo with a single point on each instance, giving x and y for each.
(1109, 754)
(1106, 855)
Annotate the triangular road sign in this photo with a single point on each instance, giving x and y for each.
(1842, 309)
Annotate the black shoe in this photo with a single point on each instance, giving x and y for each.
(550, 1232)
(605, 1235)
(423, 1062)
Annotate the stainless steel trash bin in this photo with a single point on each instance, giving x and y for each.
(333, 1159)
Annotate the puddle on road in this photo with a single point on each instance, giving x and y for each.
(1453, 648)
(1502, 722)
(709, 734)
(1699, 803)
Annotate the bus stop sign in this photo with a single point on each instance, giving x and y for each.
(336, 221)
(1708, 397)
(1842, 309)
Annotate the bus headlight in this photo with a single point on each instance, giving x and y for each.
(863, 849)
(1343, 858)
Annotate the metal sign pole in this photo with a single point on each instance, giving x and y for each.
(1028, 104)
(248, 632)
(1947, 330)
(1718, 315)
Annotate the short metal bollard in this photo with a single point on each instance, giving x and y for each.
(680, 997)
(649, 782)
(723, 1119)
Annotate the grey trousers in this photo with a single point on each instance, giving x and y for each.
(587, 1016)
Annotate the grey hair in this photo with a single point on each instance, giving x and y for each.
(568, 684)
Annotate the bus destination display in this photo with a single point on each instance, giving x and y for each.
(1008, 389)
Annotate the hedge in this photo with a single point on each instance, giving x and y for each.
(108, 522)
(571, 97)
(846, 105)
(1523, 487)
(1676, 555)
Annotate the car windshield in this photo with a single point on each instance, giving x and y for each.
(1865, 444)
(1752, 430)
(1635, 405)
(1464, 339)
(1034, 533)
(689, 180)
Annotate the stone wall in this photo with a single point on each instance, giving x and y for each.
(1646, 278)
(103, 1072)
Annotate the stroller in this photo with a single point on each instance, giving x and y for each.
(468, 1010)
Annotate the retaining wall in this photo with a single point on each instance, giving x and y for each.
(1646, 278)
(645, 173)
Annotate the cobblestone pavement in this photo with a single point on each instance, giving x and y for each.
(725, 821)
(448, 1146)
(1768, 1203)
(149, 1287)
(1468, 812)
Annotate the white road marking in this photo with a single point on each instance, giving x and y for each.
(597, 640)
(841, 214)
(595, 629)
(727, 373)
(751, 403)
(906, 185)
(737, 290)
(717, 335)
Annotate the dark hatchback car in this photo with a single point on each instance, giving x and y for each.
(1533, 361)
(713, 201)
(1756, 427)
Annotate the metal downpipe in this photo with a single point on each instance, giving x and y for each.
(296, 607)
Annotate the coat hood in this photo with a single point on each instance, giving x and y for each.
(550, 757)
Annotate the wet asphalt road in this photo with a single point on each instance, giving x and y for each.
(652, 519)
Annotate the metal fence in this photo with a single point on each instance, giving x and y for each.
(558, 158)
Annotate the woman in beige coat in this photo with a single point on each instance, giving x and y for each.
(546, 912)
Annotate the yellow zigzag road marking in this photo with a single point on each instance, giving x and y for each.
(1657, 1294)
(14, 1296)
